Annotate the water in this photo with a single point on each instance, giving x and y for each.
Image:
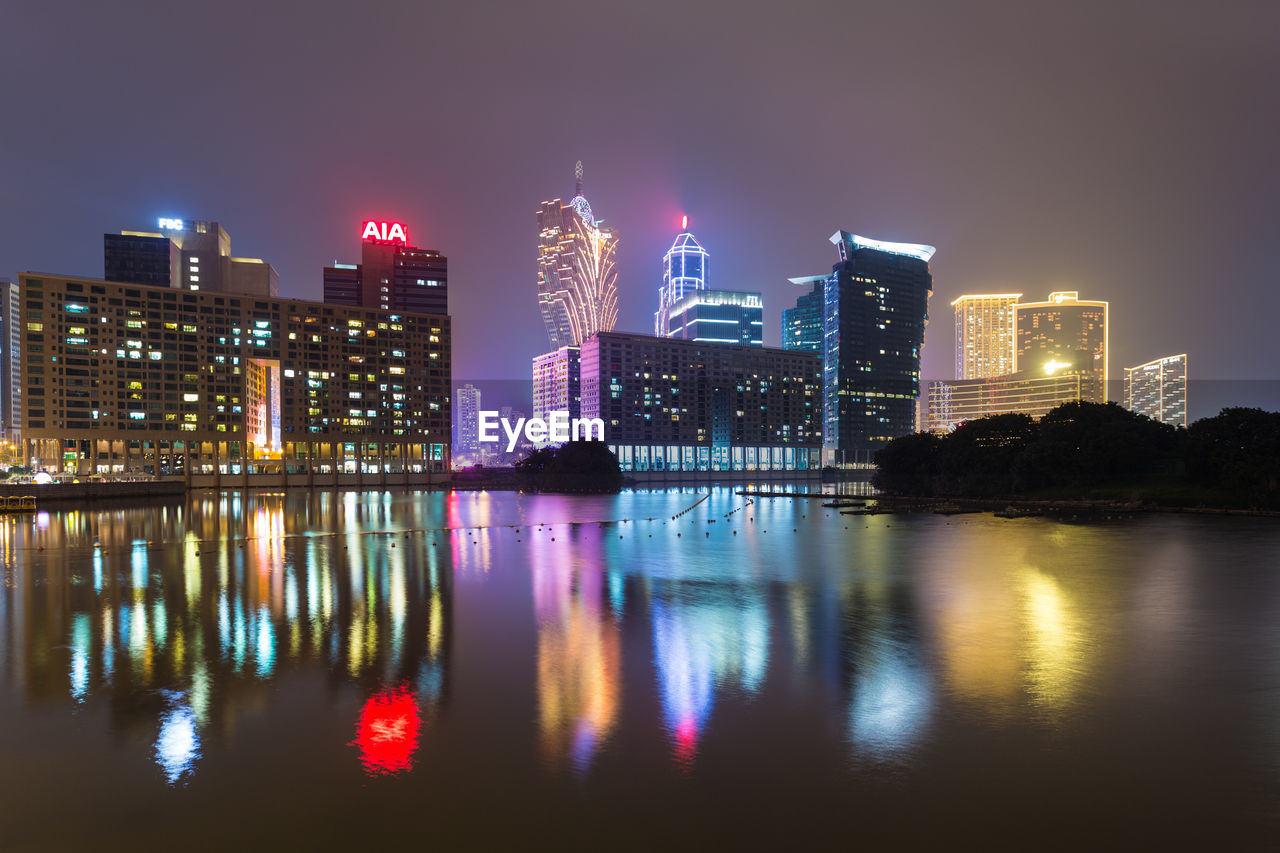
(329, 671)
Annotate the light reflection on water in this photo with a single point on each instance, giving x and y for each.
(407, 619)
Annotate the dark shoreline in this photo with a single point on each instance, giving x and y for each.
(1029, 507)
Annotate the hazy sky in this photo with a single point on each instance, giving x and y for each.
(1125, 150)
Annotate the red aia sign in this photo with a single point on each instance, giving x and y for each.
(389, 231)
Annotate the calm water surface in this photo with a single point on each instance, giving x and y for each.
(471, 670)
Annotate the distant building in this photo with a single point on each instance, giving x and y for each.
(953, 402)
(190, 255)
(1158, 389)
(10, 368)
(684, 271)
(467, 433)
(985, 335)
(577, 272)
(392, 275)
(718, 316)
(1064, 330)
(685, 406)
(875, 308)
(802, 325)
(557, 382)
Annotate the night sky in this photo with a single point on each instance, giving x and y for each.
(1125, 150)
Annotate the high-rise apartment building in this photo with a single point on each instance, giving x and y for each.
(466, 403)
(684, 271)
(10, 367)
(557, 382)
(1064, 330)
(132, 377)
(1158, 389)
(985, 335)
(186, 254)
(392, 275)
(802, 325)
(875, 308)
(577, 272)
(686, 406)
(718, 316)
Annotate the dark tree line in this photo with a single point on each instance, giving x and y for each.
(1082, 447)
(578, 466)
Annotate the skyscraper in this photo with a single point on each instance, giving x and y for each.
(985, 335)
(684, 270)
(556, 386)
(467, 427)
(577, 275)
(10, 364)
(1064, 331)
(185, 254)
(802, 325)
(718, 316)
(1158, 389)
(392, 275)
(876, 305)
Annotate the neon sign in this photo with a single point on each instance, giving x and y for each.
(170, 224)
(388, 231)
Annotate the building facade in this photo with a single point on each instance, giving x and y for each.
(466, 405)
(1064, 330)
(1158, 389)
(10, 371)
(686, 406)
(802, 326)
(577, 271)
(718, 316)
(953, 402)
(186, 254)
(985, 335)
(875, 308)
(391, 275)
(684, 271)
(557, 382)
(124, 377)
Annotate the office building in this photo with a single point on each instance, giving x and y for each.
(985, 334)
(125, 377)
(802, 325)
(10, 369)
(188, 255)
(685, 406)
(557, 382)
(577, 272)
(718, 316)
(684, 271)
(953, 402)
(1064, 330)
(466, 403)
(875, 307)
(1158, 389)
(392, 275)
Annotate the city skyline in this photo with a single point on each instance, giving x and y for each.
(1081, 189)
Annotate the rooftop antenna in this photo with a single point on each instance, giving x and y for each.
(577, 173)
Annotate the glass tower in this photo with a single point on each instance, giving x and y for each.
(1158, 389)
(684, 270)
(802, 325)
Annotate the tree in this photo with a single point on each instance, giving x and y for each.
(908, 465)
(1237, 451)
(578, 466)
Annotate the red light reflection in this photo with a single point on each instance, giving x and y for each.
(388, 731)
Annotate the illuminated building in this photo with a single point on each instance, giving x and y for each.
(718, 316)
(985, 334)
(10, 366)
(577, 275)
(952, 402)
(1158, 389)
(127, 377)
(391, 275)
(802, 325)
(557, 382)
(1064, 329)
(678, 406)
(684, 271)
(875, 308)
(185, 254)
(466, 402)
